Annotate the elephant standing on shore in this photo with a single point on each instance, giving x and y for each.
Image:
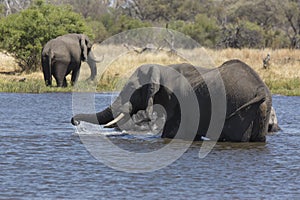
(154, 91)
(63, 55)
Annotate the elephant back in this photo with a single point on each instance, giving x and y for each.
(242, 85)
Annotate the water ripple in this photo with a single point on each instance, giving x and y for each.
(42, 158)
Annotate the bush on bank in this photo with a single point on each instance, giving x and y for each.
(23, 34)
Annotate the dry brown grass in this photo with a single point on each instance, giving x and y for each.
(7, 63)
(284, 63)
(283, 72)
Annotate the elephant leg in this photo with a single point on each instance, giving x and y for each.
(47, 76)
(60, 75)
(46, 66)
(48, 82)
(260, 124)
(65, 83)
(170, 129)
(178, 127)
(172, 123)
(75, 74)
(247, 134)
(240, 126)
(61, 82)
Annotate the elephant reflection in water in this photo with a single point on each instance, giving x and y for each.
(63, 55)
(151, 100)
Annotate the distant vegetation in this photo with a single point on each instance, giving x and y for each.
(243, 29)
(26, 25)
(212, 23)
(23, 34)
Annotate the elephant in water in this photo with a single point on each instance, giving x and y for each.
(153, 95)
(63, 55)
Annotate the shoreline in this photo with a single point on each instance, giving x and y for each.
(27, 84)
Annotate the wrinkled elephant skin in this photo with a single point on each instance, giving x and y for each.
(63, 55)
(151, 91)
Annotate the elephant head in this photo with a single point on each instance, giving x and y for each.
(87, 54)
(146, 102)
(134, 107)
(86, 46)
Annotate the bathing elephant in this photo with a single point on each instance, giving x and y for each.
(154, 91)
(63, 55)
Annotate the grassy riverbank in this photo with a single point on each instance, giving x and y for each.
(282, 75)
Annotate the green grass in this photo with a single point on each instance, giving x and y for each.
(111, 84)
(30, 86)
(288, 87)
(37, 86)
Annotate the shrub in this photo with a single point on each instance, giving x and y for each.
(23, 34)
(242, 34)
(99, 31)
(117, 24)
(204, 30)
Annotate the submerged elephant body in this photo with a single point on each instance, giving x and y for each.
(161, 94)
(63, 55)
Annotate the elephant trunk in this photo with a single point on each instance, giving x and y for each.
(105, 116)
(92, 64)
(92, 60)
(102, 117)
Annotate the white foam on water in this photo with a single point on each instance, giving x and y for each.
(85, 128)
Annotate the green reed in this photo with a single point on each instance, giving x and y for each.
(284, 86)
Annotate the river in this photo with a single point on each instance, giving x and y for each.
(42, 157)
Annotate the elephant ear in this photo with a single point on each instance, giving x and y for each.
(85, 45)
(149, 75)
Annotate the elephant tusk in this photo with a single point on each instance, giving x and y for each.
(113, 122)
